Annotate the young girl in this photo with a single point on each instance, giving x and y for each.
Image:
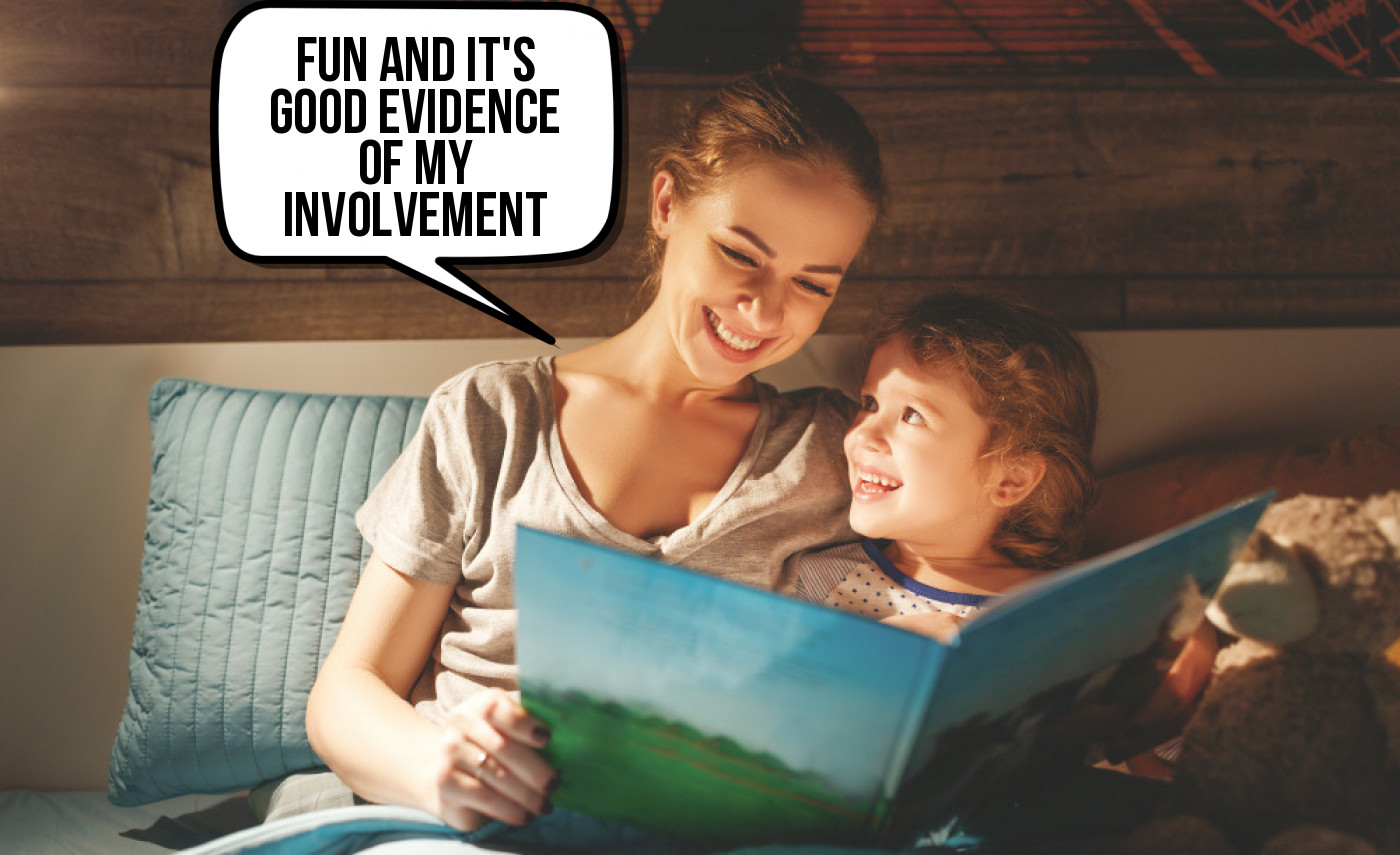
(657, 440)
(968, 463)
(970, 472)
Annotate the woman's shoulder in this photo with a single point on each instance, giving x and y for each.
(814, 404)
(491, 402)
(495, 380)
(801, 432)
(837, 557)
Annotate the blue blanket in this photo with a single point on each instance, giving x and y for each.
(403, 831)
(1086, 813)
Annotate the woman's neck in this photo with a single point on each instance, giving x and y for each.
(644, 358)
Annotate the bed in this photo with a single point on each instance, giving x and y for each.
(250, 558)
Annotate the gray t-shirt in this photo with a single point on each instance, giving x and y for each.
(487, 456)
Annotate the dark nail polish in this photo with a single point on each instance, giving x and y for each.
(547, 807)
(541, 734)
(552, 785)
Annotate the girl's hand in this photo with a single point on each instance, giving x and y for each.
(940, 625)
(1169, 708)
(490, 768)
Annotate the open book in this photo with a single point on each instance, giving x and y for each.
(698, 707)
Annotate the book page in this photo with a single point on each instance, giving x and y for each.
(1029, 669)
(691, 704)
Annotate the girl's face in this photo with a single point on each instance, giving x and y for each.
(751, 268)
(915, 458)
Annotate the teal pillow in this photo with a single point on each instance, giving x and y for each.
(251, 556)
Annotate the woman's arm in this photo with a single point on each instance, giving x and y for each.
(360, 724)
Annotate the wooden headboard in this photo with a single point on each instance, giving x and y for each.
(1123, 204)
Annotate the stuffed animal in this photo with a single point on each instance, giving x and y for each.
(1295, 747)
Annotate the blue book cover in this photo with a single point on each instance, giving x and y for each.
(701, 708)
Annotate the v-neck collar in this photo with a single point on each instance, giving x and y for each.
(687, 536)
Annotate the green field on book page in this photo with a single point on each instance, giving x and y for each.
(688, 784)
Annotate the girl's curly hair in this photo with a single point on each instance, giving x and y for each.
(1034, 384)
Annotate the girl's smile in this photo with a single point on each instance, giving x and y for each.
(871, 486)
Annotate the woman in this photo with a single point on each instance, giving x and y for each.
(657, 440)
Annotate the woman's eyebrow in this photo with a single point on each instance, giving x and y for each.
(754, 239)
(763, 247)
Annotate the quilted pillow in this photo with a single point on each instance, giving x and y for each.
(251, 555)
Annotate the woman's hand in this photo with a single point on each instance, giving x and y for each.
(940, 625)
(490, 768)
(361, 725)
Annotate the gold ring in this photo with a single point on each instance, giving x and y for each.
(481, 765)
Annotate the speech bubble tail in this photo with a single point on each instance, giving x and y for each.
(462, 287)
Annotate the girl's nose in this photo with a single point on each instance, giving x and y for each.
(866, 431)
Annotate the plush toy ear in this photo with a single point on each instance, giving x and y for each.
(1267, 596)
(1015, 479)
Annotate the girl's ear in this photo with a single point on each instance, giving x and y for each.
(1019, 477)
(663, 203)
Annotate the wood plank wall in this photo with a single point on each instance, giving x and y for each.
(1124, 204)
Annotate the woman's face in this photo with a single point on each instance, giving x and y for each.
(751, 268)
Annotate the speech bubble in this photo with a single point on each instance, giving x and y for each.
(419, 135)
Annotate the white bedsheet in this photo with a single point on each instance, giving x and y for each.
(85, 823)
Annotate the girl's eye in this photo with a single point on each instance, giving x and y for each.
(736, 256)
(912, 416)
(814, 288)
(867, 404)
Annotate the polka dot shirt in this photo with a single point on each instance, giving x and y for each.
(859, 578)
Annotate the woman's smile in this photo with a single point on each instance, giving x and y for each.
(744, 346)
